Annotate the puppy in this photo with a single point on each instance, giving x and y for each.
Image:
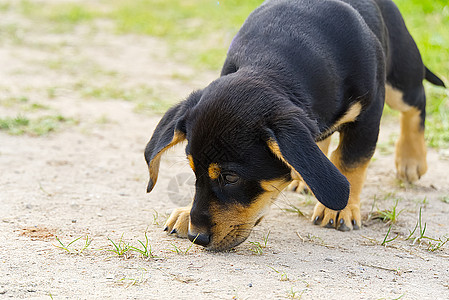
(295, 73)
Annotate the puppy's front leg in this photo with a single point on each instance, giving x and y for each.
(357, 144)
(349, 217)
(178, 222)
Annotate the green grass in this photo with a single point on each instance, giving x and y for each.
(120, 248)
(257, 248)
(63, 16)
(386, 240)
(432, 244)
(145, 251)
(70, 249)
(36, 127)
(388, 215)
(22, 103)
(179, 251)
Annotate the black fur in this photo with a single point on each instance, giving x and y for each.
(292, 71)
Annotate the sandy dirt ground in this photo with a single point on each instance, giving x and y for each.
(88, 178)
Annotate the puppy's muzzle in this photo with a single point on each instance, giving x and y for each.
(199, 232)
(202, 239)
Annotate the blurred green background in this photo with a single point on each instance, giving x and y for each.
(199, 32)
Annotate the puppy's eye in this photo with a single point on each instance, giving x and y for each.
(230, 178)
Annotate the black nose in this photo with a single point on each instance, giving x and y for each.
(200, 238)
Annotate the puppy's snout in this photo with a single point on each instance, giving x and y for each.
(202, 239)
(200, 221)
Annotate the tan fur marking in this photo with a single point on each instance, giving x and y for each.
(356, 177)
(192, 165)
(394, 99)
(273, 185)
(154, 164)
(324, 145)
(350, 116)
(214, 171)
(274, 147)
(411, 150)
(233, 222)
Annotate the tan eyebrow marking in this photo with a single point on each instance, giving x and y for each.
(214, 171)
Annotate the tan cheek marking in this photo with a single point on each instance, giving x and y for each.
(275, 185)
(192, 165)
(245, 217)
(214, 171)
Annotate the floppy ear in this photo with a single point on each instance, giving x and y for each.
(169, 132)
(295, 146)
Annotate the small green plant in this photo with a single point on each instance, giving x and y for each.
(146, 250)
(431, 243)
(293, 294)
(134, 281)
(179, 251)
(294, 209)
(422, 229)
(385, 241)
(283, 275)
(158, 219)
(121, 248)
(73, 251)
(388, 215)
(257, 247)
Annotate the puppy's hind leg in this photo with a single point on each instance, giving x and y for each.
(411, 151)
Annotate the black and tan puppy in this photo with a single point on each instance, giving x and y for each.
(296, 72)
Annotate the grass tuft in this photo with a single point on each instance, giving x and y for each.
(258, 248)
(36, 127)
(388, 215)
(146, 248)
(179, 251)
(120, 248)
(386, 240)
(432, 244)
(72, 250)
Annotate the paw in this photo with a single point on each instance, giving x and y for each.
(343, 220)
(178, 222)
(298, 186)
(410, 168)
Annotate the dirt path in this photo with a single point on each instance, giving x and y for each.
(89, 177)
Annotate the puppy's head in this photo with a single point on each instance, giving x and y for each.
(244, 144)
